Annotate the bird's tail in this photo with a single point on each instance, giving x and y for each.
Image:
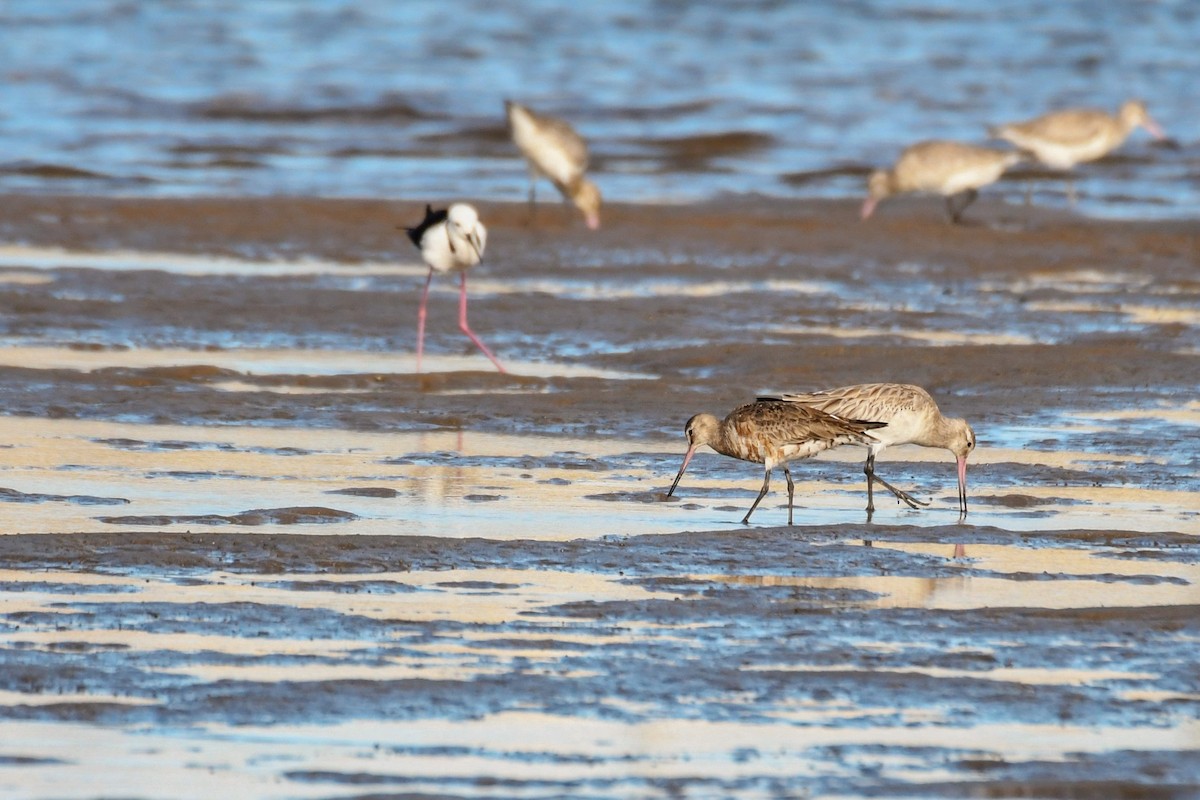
(431, 218)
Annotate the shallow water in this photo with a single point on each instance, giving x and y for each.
(787, 703)
(558, 754)
(248, 551)
(108, 476)
(405, 100)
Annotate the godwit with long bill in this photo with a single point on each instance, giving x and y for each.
(772, 433)
(554, 149)
(951, 169)
(912, 417)
(1062, 139)
(450, 240)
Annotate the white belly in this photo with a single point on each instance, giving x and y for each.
(1059, 155)
(971, 178)
(437, 253)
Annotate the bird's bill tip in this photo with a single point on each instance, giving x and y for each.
(593, 221)
(868, 207)
(962, 484)
(1155, 130)
(675, 483)
(683, 468)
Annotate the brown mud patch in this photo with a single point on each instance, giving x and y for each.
(786, 661)
(506, 604)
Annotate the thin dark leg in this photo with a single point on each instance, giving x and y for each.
(532, 196)
(957, 204)
(900, 494)
(761, 494)
(951, 213)
(869, 471)
(787, 473)
(969, 197)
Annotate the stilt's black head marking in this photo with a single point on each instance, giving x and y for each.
(417, 233)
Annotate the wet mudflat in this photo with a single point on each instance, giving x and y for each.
(771, 662)
(249, 552)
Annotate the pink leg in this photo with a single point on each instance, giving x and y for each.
(462, 324)
(421, 320)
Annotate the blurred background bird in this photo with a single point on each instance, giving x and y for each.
(951, 169)
(555, 150)
(450, 240)
(1062, 139)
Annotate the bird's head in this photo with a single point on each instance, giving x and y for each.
(879, 186)
(1134, 113)
(701, 430)
(962, 440)
(463, 225)
(586, 198)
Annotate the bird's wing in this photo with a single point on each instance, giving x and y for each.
(792, 423)
(1073, 126)
(868, 401)
(571, 142)
(417, 232)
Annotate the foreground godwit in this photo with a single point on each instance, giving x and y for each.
(912, 417)
(771, 432)
(554, 149)
(450, 240)
(1062, 139)
(954, 170)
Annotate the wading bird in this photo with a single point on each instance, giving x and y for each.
(555, 150)
(955, 171)
(1062, 139)
(912, 417)
(772, 433)
(450, 240)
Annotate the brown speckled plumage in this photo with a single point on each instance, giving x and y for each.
(772, 432)
(912, 417)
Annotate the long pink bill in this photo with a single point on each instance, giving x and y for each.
(1154, 129)
(962, 486)
(868, 207)
(691, 452)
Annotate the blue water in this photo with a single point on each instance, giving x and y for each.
(680, 101)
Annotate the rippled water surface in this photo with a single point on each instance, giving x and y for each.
(248, 552)
(680, 101)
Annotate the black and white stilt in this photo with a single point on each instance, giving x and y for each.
(450, 240)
